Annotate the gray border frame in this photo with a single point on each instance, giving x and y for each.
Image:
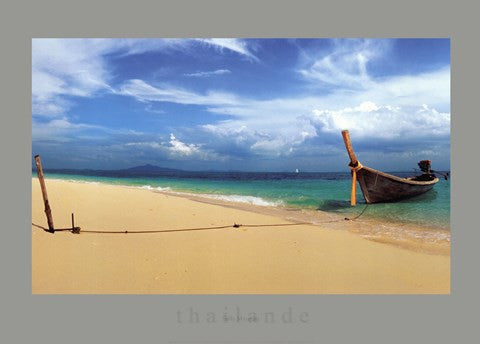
(126, 319)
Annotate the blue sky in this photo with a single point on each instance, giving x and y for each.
(240, 104)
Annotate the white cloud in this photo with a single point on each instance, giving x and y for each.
(150, 108)
(143, 91)
(403, 106)
(60, 130)
(64, 129)
(132, 46)
(182, 149)
(345, 65)
(178, 150)
(79, 67)
(233, 44)
(152, 144)
(389, 108)
(432, 88)
(71, 67)
(279, 137)
(369, 120)
(209, 73)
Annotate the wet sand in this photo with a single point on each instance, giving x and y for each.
(329, 256)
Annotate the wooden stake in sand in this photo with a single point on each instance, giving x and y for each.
(48, 211)
(75, 230)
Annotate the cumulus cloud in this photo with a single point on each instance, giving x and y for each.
(370, 120)
(395, 109)
(278, 138)
(401, 106)
(177, 150)
(181, 148)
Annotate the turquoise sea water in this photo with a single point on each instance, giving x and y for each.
(324, 191)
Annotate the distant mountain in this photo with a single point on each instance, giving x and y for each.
(144, 170)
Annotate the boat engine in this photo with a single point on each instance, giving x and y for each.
(425, 166)
(427, 172)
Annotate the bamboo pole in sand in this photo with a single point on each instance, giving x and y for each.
(48, 211)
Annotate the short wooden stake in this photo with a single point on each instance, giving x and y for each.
(48, 211)
(75, 230)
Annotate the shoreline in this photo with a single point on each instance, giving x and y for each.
(410, 236)
(312, 258)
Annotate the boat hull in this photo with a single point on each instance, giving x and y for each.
(378, 186)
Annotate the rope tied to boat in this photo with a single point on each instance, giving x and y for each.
(77, 230)
(357, 167)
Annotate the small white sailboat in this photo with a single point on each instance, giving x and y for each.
(296, 170)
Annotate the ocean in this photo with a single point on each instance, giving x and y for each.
(328, 192)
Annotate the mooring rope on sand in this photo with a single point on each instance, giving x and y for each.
(235, 225)
(76, 230)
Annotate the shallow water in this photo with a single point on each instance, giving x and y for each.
(328, 192)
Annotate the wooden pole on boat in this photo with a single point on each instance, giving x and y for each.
(353, 163)
(348, 146)
(353, 196)
(48, 211)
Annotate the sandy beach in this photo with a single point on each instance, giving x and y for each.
(303, 259)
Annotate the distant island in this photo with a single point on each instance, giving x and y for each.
(144, 170)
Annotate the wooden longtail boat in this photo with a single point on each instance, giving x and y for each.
(378, 186)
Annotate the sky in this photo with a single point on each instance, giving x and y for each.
(240, 104)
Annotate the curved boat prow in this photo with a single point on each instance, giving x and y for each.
(379, 186)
